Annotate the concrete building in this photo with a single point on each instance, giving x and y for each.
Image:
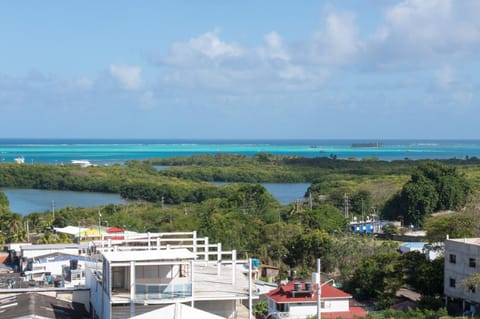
(298, 300)
(462, 261)
(134, 274)
(431, 251)
(141, 273)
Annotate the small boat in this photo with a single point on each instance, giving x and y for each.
(372, 145)
(82, 163)
(19, 160)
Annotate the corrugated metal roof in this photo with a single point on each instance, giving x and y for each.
(50, 246)
(72, 230)
(34, 305)
(66, 258)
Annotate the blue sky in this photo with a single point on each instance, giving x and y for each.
(371, 69)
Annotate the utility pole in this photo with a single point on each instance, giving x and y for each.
(345, 204)
(319, 290)
(250, 289)
(99, 221)
(53, 209)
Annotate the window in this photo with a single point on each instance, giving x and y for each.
(472, 289)
(453, 259)
(183, 270)
(282, 307)
(452, 283)
(472, 263)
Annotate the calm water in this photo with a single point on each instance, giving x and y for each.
(284, 193)
(97, 151)
(58, 151)
(287, 193)
(25, 201)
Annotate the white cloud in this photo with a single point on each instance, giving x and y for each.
(412, 36)
(444, 77)
(210, 45)
(274, 47)
(337, 42)
(204, 49)
(210, 63)
(421, 32)
(129, 77)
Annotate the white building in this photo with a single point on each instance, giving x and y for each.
(145, 272)
(141, 274)
(431, 251)
(33, 251)
(462, 260)
(298, 300)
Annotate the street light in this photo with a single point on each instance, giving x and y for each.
(99, 222)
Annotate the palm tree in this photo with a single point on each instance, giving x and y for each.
(14, 223)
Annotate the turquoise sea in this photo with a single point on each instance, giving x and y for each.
(100, 152)
(109, 151)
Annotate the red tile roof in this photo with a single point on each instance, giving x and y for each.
(115, 230)
(287, 293)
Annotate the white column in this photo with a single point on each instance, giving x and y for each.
(194, 242)
(192, 276)
(219, 258)
(234, 265)
(149, 238)
(132, 287)
(206, 250)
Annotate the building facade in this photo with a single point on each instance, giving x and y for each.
(462, 263)
(298, 300)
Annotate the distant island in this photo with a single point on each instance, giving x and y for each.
(374, 144)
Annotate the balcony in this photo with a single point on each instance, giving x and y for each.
(146, 292)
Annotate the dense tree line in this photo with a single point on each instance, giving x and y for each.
(245, 217)
(433, 187)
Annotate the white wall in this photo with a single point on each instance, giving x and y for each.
(461, 270)
(222, 308)
(303, 310)
(96, 292)
(309, 309)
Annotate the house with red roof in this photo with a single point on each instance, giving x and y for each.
(115, 233)
(298, 300)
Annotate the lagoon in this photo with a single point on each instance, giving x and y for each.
(26, 201)
(285, 193)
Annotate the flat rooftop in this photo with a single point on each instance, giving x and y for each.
(207, 284)
(472, 241)
(150, 255)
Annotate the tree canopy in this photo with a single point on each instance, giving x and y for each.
(432, 187)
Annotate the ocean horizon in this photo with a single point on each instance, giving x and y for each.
(105, 151)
